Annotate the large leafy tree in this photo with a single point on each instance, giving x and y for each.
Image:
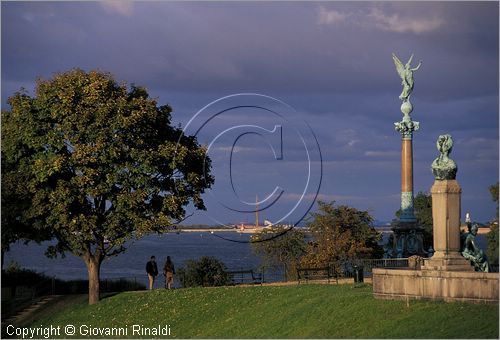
(280, 245)
(100, 163)
(340, 233)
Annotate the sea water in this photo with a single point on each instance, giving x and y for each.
(232, 248)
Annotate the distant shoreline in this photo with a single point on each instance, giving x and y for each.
(213, 230)
(187, 230)
(481, 231)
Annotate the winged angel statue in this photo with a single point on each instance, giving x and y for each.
(406, 74)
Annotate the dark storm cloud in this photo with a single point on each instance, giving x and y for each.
(278, 47)
(331, 61)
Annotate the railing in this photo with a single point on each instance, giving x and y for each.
(45, 287)
(279, 273)
(245, 276)
(108, 285)
(121, 284)
(306, 274)
(369, 264)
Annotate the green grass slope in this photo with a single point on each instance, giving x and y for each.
(305, 311)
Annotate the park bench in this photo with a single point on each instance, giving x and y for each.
(306, 274)
(245, 277)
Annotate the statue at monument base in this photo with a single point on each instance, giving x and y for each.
(473, 253)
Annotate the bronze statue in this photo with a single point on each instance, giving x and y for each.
(443, 167)
(473, 253)
(406, 74)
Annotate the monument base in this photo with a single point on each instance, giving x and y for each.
(466, 286)
(451, 262)
(408, 240)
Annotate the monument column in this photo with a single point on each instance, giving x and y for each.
(408, 236)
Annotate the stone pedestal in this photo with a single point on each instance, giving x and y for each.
(402, 284)
(408, 240)
(446, 228)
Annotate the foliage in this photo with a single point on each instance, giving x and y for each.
(422, 204)
(15, 194)
(341, 234)
(207, 271)
(14, 275)
(492, 250)
(492, 236)
(101, 164)
(494, 195)
(280, 246)
(286, 312)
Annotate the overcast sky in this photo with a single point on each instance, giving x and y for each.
(329, 61)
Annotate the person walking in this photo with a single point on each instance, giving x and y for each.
(152, 270)
(169, 271)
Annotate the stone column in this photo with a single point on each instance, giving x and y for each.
(407, 210)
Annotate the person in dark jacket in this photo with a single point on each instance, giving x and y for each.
(152, 270)
(169, 271)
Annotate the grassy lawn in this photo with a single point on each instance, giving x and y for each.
(305, 311)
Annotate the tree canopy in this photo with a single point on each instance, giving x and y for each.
(100, 163)
(341, 233)
(280, 245)
(15, 200)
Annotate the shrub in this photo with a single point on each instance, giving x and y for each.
(492, 252)
(207, 271)
(14, 275)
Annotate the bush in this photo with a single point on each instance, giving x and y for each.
(492, 252)
(207, 272)
(14, 275)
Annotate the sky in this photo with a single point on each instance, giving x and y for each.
(322, 124)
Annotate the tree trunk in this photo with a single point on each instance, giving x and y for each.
(93, 268)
